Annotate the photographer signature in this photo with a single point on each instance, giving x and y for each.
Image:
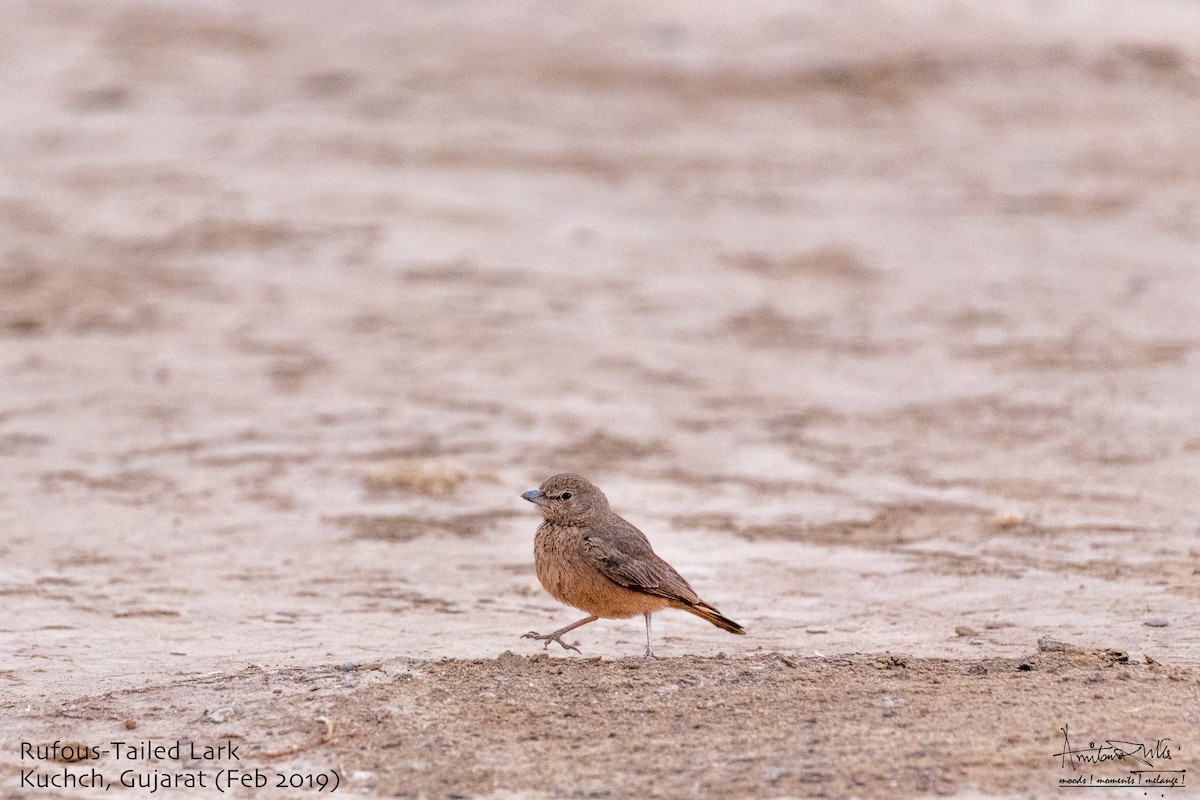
(1113, 750)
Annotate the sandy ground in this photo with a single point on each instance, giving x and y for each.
(882, 322)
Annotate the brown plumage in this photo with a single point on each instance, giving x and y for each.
(590, 558)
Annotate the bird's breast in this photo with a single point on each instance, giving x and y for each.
(557, 551)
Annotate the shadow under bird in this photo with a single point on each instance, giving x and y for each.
(588, 557)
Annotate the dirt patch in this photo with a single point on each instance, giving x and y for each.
(778, 724)
(401, 528)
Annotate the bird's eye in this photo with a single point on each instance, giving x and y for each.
(565, 496)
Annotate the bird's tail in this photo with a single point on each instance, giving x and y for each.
(705, 611)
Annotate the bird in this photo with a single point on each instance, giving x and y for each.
(587, 556)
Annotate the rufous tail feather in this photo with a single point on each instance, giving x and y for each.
(705, 611)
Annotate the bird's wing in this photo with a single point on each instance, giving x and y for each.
(623, 554)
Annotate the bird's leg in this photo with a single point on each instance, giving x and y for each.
(649, 652)
(557, 635)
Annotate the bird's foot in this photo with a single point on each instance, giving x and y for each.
(552, 637)
(648, 655)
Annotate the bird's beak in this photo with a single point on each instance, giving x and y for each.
(535, 496)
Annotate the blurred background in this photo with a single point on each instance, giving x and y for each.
(880, 318)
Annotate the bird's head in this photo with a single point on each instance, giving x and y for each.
(569, 499)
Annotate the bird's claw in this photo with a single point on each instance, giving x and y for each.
(551, 637)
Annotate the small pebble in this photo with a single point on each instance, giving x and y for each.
(1157, 623)
(1010, 519)
(218, 715)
